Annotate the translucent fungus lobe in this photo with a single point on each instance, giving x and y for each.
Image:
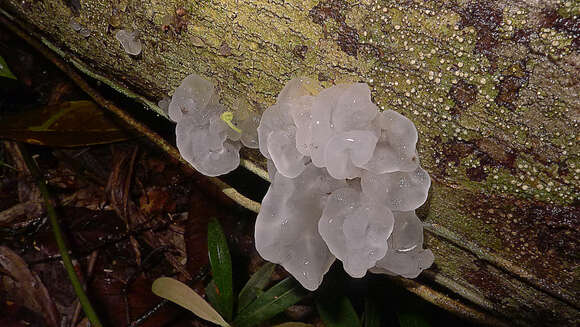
(346, 180)
(355, 229)
(129, 41)
(287, 225)
(204, 137)
(277, 132)
(399, 190)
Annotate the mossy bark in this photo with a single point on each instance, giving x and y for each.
(491, 85)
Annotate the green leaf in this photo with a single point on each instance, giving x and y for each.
(181, 294)
(211, 293)
(255, 286)
(4, 70)
(68, 124)
(221, 267)
(372, 316)
(337, 312)
(275, 300)
(412, 319)
(294, 324)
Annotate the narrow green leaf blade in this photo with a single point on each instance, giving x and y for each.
(181, 294)
(270, 303)
(294, 324)
(372, 316)
(221, 267)
(410, 319)
(4, 70)
(211, 294)
(255, 285)
(337, 312)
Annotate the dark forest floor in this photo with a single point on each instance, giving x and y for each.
(130, 213)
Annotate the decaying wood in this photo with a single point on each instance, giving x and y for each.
(491, 85)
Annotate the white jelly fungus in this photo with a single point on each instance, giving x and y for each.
(207, 136)
(399, 190)
(355, 228)
(164, 104)
(345, 183)
(405, 255)
(287, 225)
(77, 27)
(129, 41)
(277, 131)
(245, 121)
(345, 177)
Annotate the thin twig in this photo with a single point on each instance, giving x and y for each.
(139, 321)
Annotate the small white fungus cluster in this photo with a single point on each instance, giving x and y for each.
(345, 183)
(129, 41)
(77, 27)
(207, 135)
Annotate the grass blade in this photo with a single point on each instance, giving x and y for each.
(270, 303)
(255, 286)
(181, 294)
(337, 312)
(372, 316)
(211, 294)
(221, 267)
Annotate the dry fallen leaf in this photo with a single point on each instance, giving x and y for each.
(26, 286)
(179, 293)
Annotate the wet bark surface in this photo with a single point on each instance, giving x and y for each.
(491, 85)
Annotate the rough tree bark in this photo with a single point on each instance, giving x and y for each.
(491, 85)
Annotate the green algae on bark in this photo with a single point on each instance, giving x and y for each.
(491, 86)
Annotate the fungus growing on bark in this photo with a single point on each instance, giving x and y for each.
(345, 177)
(204, 139)
(345, 183)
(129, 41)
